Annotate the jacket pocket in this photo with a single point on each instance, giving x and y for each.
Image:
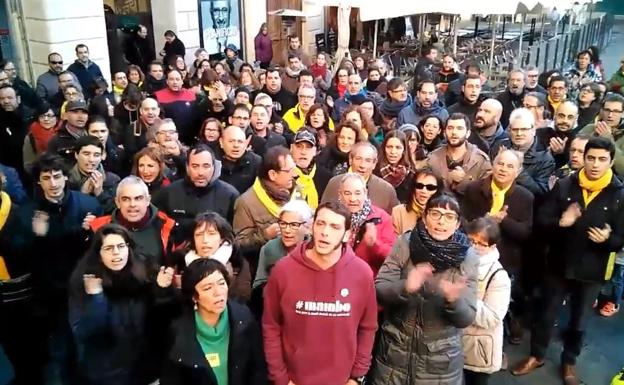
(444, 356)
(478, 350)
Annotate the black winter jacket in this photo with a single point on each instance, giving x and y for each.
(182, 201)
(240, 174)
(186, 364)
(510, 102)
(515, 228)
(572, 254)
(537, 168)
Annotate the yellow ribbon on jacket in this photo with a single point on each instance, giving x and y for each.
(591, 188)
(5, 207)
(265, 199)
(307, 187)
(498, 198)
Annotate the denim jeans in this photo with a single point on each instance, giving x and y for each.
(613, 289)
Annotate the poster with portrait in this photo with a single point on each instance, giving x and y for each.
(220, 25)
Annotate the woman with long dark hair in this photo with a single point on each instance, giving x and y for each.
(216, 340)
(428, 288)
(213, 238)
(112, 294)
(394, 164)
(40, 132)
(335, 157)
(431, 132)
(424, 185)
(318, 118)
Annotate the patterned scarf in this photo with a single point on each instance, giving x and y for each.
(442, 255)
(357, 219)
(394, 174)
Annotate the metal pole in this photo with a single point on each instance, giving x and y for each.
(476, 26)
(520, 42)
(375, 39)
(455, 33)
(494, 24)
(504, 25)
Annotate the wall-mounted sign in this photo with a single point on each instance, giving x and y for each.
(220, 25)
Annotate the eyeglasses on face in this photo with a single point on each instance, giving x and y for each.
(517, 130)
(436, 215)
(428, 187)
(293, 225)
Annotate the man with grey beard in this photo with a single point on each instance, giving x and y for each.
(512, 97)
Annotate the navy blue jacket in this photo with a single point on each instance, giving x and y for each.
(86, 76)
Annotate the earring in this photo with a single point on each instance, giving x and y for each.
(194, 305)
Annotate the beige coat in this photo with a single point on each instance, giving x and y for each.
(403, 220)
(380, 192)
(476, 166)
(483, 340)
(251, 219)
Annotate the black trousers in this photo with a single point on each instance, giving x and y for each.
(581, 298)
(23, 342)
(475, 378)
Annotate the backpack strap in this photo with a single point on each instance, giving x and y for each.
(489, 281)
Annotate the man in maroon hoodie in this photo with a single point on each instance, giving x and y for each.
(320, 310)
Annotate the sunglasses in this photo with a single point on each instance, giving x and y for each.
(429, 187)
(56, 62)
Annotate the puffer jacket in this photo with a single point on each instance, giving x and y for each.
(413, 114)
(420, 341)
(483, 340)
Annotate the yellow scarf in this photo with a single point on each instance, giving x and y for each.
(118, 90)
(307, 187)
(351, 170)
(498, 198)
(265, 199)
(591, 188)
(554, 104)
(5, 207)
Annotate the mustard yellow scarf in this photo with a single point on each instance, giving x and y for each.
(272, 207)
(591, 188)
(307, 187)
(498, 198)
(5, 207)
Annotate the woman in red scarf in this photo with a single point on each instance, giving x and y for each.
(39, 134)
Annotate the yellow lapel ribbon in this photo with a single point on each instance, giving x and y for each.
(5, 207)
(307, 187)
(498, 198)
(591, 188)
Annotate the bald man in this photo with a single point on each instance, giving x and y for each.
(239, 167)
(559, 138)
(511, 97)
(488, 128)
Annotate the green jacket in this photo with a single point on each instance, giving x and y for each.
(616, 84)
(619, 145)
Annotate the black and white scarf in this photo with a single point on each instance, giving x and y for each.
(357, 219)
(442, 255)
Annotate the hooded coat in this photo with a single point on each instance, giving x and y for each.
(415, 112)
(319, 325)
(182, 201)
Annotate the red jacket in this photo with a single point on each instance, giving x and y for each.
(319, 325)
(375, 255)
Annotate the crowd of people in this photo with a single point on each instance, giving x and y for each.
(226, 224)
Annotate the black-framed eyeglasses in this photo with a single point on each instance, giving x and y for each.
(292, 225)
(520, 129)
(609, 111)
(436, 215)
(428, 187)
